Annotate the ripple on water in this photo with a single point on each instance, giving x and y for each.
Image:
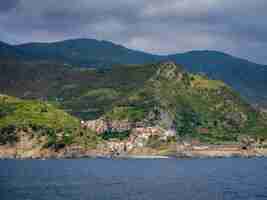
(200, 179)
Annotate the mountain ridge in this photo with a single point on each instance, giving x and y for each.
(87, 52)
(165, 56)
(246, 77)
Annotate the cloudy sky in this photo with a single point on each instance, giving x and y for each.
(238, 27)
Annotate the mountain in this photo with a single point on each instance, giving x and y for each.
(8, 51)
(190, 104)
(158, 107)
(162, 95)
(247, 78)
(86, 53)
(86, 93)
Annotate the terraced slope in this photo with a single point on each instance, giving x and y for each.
(37, 119)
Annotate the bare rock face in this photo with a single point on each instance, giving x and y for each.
(169, 71)
(263, 112)
(26, 147)
(237, 118)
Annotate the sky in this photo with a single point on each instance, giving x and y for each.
(237, 27)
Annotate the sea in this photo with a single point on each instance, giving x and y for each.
(134, 179)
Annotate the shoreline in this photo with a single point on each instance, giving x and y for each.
(135, 157)
(170, 152)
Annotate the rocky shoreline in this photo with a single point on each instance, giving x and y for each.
(205, 151)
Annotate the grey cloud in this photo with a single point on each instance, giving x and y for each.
(237, 27)
(7, 5)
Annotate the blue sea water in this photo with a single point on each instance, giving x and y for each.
(162, 179)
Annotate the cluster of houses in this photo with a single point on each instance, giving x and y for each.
(139, 134)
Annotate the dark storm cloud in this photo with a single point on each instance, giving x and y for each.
(237, 27)
(7, 5)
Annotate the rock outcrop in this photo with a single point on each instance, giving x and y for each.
(170, 71)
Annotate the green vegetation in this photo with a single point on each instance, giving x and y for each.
(115, 135)
(85, 52)
(84, 93)
(8, 135)
(201, 82)
(132, 114)
(157, 94)
(39, 119)
(207, 110)
(35, 117)
(87, 138)
(154, 94)
(35, 113)
(155, 142)
(248, 78)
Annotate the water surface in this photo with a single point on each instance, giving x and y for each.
(102, 179)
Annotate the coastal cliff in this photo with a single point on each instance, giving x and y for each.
(170, 113)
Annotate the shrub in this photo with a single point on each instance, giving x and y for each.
(8, 135)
